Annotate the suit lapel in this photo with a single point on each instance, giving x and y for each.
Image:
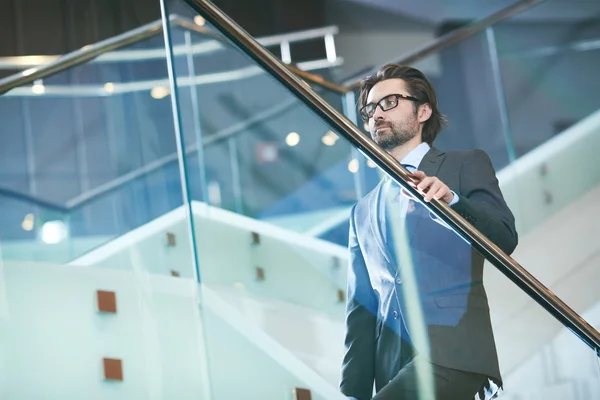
(431, 163)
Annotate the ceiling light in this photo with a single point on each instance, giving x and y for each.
(160, 92)
(328, 140)
(109, 87)
(53, 232)
(38, 88)
(28, 222)
(292, 139)
(353, 166)
(199, 20)
(371, 164)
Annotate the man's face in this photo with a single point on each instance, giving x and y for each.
(395, 127)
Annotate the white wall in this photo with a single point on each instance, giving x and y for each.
(227, 257)
(562, 369)
(369, 38)
(53, 340)
(553, 175)
(296, 304)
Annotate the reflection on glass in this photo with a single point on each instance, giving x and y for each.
(96, 269)
(417, 312)
(257, 138)
(98, 276)
(548, 74)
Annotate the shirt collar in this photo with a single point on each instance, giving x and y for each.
(416, 155)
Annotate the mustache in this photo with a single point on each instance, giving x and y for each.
(380, 124)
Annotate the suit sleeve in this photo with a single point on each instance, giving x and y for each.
(358, 368)
(482, 204)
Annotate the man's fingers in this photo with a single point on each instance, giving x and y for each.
(430, 186)
(418, 175)
(433, 190)
(426, 183)
(413, 179)
(442, 192)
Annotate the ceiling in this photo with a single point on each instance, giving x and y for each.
(439, 11)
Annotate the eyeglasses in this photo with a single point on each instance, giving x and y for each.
(387, 103)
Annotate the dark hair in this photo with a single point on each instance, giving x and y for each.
(418, 86)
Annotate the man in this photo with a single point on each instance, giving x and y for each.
(418, 323)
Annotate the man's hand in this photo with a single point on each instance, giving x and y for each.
(431, 187)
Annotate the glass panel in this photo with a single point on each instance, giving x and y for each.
(31, 230)
(430, 294)
(468, 94)
(105, 289)
(538, 356)
(98, 141)
(549, 75)
(549, 72)
(265, 155)
(274, 301)
(281, 303)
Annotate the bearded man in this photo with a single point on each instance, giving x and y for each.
(408, 269)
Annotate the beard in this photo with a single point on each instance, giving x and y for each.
(395, 133)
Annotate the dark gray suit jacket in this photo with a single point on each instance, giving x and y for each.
(448, 275)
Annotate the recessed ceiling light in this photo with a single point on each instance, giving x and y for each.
(109, 87)
(28, 222)
(198, 20)
(328, 140)
(160, 92)
(54, 232)
(292, 139)
(38, 88)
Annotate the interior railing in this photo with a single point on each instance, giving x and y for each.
(39, 67)
(509, 267)
(288, 76)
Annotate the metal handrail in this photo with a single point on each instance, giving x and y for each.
(32, 61)
(81, 56)
(90, 52)
(515, 272)
(455, 36)
(27, 198)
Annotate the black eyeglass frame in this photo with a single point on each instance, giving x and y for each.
(366, 116)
